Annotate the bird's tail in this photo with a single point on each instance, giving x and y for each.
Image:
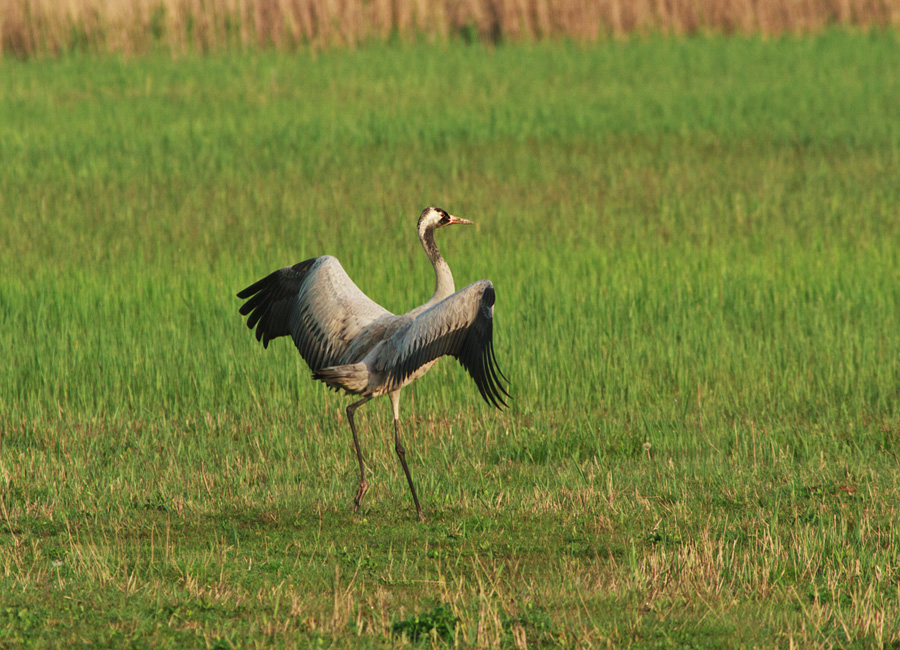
(353, 378)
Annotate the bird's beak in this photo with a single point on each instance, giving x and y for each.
(460, 221)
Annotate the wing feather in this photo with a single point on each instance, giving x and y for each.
(315, 303)
(461, 326)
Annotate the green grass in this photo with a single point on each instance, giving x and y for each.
(696, 251)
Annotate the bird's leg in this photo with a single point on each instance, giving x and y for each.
(401, 451)
(401, 454)
(363, 485)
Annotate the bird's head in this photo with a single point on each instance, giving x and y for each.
(433, 218)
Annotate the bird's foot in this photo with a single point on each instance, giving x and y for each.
(360, 493)
(420, 516)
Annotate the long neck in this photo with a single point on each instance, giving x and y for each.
(443, 278)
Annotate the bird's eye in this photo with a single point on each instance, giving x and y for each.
(445, 218)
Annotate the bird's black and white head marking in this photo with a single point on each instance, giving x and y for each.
(433, 218)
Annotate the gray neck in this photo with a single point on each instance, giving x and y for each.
(443, 278)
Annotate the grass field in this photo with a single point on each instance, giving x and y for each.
(696, 251)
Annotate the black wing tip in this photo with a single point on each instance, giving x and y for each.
(262, 298)
(500, 398)
(484, 371)
(488, 297)
(496, 392)
(275, 278)
(495, 400)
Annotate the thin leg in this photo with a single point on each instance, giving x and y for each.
(363, 484)
(401, 451)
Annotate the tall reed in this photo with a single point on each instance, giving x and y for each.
(46, 27)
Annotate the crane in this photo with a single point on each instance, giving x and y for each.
(353, 344)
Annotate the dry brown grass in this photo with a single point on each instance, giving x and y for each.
(36, 27)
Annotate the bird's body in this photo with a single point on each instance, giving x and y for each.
(353, 344)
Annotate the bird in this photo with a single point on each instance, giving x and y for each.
(355, 345)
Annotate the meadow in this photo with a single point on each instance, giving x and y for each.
(695, 246)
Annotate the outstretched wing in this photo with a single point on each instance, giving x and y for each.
(316, 303)
(462, 326)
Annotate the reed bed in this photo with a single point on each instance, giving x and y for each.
(47, 27)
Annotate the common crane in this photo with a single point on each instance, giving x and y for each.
(353, 344)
